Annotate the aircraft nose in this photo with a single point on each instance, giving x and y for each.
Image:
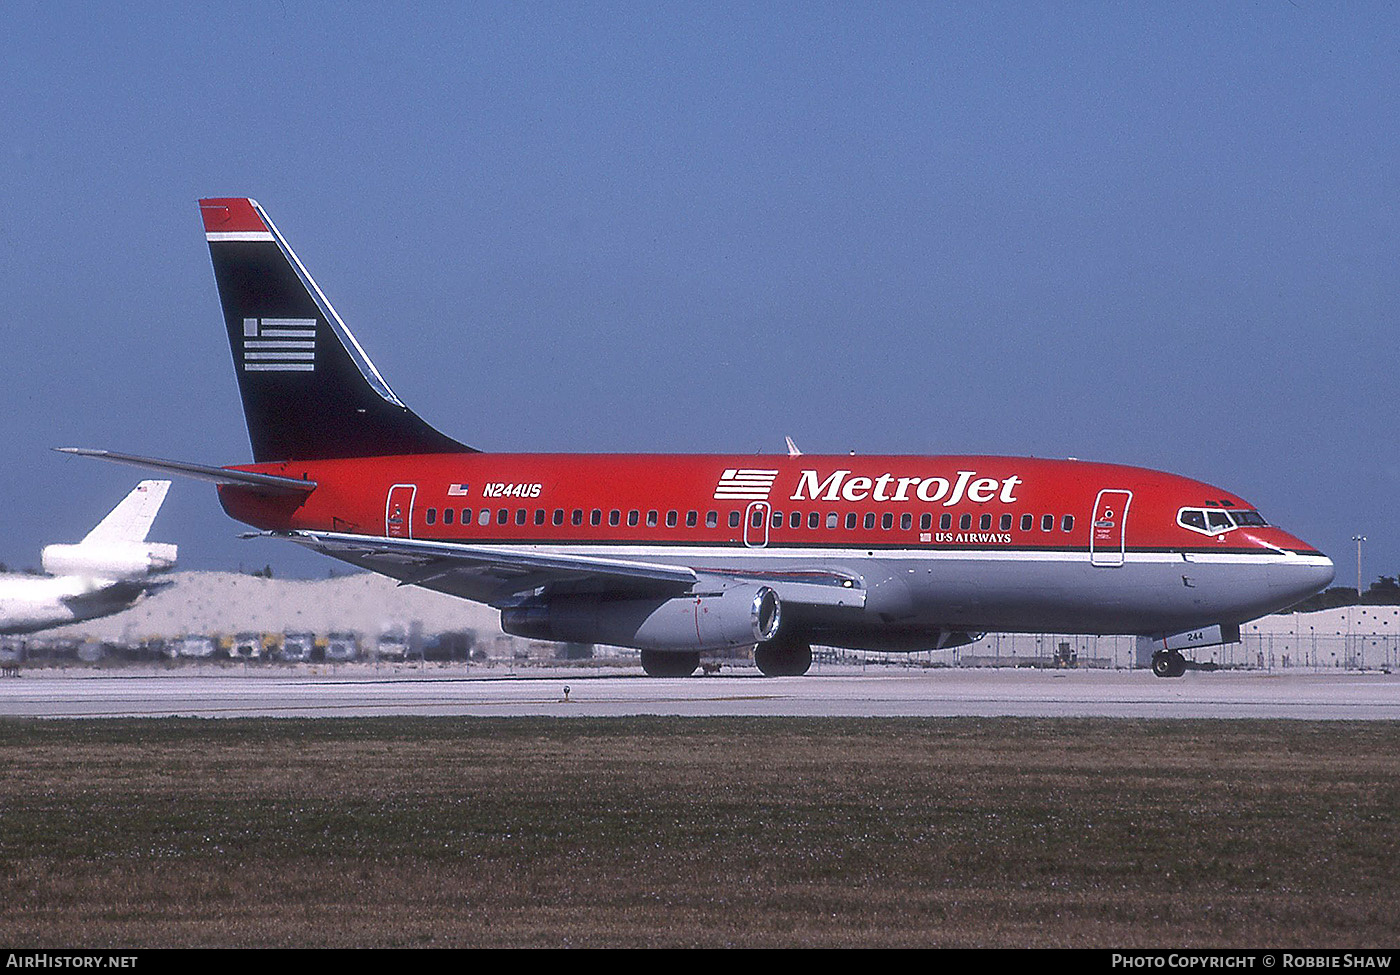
(1310, 575)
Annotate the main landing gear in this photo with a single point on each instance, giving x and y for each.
(781, 658)
(1168, 663)
(659, 663)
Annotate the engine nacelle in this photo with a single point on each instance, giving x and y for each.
(738, 617)
(109, 560)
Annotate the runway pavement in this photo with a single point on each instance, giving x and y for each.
(832, 691)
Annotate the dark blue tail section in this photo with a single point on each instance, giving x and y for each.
(309, 391)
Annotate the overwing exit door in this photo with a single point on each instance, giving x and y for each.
(1108, 530)
(398, 511)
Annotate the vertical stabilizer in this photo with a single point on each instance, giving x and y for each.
(130, 521)
(309, 391)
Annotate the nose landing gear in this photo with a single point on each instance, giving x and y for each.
(1168, 663)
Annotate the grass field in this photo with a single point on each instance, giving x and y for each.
(704, 832)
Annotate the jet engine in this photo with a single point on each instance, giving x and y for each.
(109, 560)
(737, 617)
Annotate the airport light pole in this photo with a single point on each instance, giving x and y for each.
(1358, 539)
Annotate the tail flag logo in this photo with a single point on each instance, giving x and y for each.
(745, 485)
(279, 345)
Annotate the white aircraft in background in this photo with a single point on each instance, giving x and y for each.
(103, 574)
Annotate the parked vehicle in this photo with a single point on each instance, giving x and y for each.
(392, 645)
(342, 646)
(298, 647)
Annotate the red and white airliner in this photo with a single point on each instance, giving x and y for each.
(680, 555)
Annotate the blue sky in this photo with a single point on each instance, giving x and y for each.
(1156, 234)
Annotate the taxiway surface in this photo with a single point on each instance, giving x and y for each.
(831, 692)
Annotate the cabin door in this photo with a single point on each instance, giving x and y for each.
(1108, 530)
(398, 511)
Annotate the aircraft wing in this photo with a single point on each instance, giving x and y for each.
(500, 575)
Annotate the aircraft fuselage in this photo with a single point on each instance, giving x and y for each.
(978, 543)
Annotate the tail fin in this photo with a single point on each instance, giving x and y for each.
(130, 520)
(117, 547)
(309, 391)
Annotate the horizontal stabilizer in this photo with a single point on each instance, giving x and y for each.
(264, 483)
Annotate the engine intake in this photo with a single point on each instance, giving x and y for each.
(738, 617)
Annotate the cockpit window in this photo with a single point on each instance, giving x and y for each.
(1214, 521)
(1218, 521)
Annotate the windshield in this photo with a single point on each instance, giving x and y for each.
(1217, 521)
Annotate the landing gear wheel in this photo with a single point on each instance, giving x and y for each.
(783, 659)
(1168, 663)
(658, 663)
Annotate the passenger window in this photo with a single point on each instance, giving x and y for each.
(734, 517)
(1047, 523)
(633, 517)
(485, 517)
(1027, 522)
(595, 517)
(577, 517)
(692, 518)
(777, 519)
(945, 522)
(614, 517)
(651, 518)
(559, 516)
(906, 521)
(887, 521)
(671, 519)
(521, 515)
(503, 516)
(832, 519)
(795, 520)
(430, 516)
(985, 522)
(925, 521)
(1006, 523)
(1067, 523)
(466, 516)
(965, 522)
(712, 519)
(539, 516)
(814, 519)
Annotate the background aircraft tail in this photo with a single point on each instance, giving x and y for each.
(117, 547)
(309, 391)
(130, 521)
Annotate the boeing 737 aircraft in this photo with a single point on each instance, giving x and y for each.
(103, 574)
(679, 555)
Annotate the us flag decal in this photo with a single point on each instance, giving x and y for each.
(279, 345)
(745, 485)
